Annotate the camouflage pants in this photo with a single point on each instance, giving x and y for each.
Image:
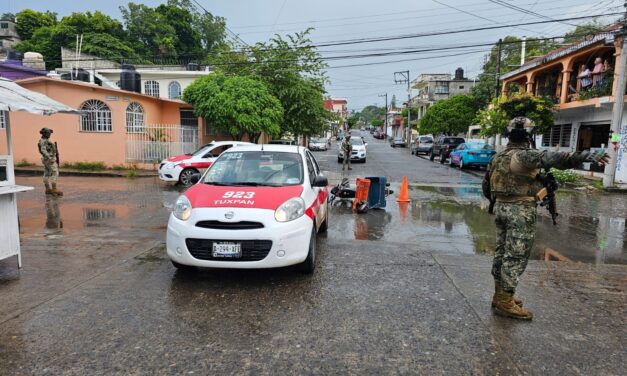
(51, 171)
(516, 230)
(345, 162)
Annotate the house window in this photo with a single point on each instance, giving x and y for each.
(151, 88)
(188, 119)
(4, 25)
(95, 117)
(441, 88)
(174, 90)
(557, 135)
(134, 118)
(3, 119)
(461, 87)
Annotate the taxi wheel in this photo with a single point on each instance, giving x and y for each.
(186, 176)
(461, 164)
(309, 264)
(325, 225)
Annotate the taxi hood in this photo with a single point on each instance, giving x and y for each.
(214, 196)
(178, 158)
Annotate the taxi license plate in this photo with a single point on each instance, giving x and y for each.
(483, 155)
(227, 250)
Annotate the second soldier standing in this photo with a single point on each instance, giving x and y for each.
(347, 149)
(48, 151)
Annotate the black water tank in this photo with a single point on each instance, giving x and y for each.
(130, 80)
(459, 74)
(80, 74)
(14, 55)
(193, 67)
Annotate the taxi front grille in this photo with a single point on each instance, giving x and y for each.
(252, 250)
(218, 225)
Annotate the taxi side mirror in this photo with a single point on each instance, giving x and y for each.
(320, 181)
(195, 178)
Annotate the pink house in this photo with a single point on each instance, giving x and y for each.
(117, 127)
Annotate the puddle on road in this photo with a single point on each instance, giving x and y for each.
(455, 220)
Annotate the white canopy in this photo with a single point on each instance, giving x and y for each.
(13, 97)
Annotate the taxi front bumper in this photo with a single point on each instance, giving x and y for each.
(275, 244)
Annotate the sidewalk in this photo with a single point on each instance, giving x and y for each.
(39, 170)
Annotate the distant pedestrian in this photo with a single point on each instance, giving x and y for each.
(49, 153)
(347, 149)
(513, 183)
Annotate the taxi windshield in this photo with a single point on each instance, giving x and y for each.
(202, 150)
(256, 168)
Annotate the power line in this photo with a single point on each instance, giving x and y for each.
(526, 11)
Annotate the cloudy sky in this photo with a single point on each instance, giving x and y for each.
(362, 78)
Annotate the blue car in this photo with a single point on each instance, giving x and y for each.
(471, 154)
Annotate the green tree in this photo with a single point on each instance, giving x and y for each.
(28, 21)
(539, 109)
(211, 29)
(449, 116)
(7, 17)
(376, 122)
(484, 89)
(187, 43)
(149, 30)
(293, 70)
(584, 30)
(237, 105)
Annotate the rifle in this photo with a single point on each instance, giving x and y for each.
(57, 154)
(485, 187)
(546, 196)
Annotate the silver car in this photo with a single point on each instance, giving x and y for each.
(422, 144)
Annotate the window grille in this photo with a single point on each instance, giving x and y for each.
(151, 88)
(188, 118)
(566, 133)
(95, 116)
(134, 118)
(3, 119)
(557, 135)
(174, 90)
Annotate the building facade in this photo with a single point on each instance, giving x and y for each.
(433, 87)
(8, 34)
(581, 80)
(116, 127)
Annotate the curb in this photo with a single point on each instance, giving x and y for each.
(36, 171)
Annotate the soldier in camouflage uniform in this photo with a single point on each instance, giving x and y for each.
(513, 184)
(347, 148)
(48, 151)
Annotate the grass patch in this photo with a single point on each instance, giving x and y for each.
(132, 173)
(85, 166)
(24, 163)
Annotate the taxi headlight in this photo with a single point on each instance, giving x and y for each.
(182, 208)
(290, 210)
(169, 165)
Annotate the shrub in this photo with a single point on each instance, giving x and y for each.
(564, 176)
(85, 166)
(24, 163)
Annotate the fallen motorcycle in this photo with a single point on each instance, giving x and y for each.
(376, 190)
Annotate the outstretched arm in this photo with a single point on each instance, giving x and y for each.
(560, 160)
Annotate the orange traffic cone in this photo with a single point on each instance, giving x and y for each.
(403, 196)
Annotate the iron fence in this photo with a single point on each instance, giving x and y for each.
(153, 143)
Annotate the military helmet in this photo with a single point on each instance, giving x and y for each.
(45, 130)
(521, 122)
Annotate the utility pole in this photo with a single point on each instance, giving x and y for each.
(385, 135)
(402, 78)
(522, 53)
(498, 69)
(617, 112)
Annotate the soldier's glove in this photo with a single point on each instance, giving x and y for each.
(596, 157)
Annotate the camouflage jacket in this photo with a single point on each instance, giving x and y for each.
(513, 171)
(347, 147)
(47, 149)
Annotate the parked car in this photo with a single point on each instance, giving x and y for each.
(397, 141)
(282, 142)
(422, 144)
(339, 136)
(472, 154)
(180, 168)
(358, 153)
(443, 146)
(378, 135)
(317, 144)
(258, 206)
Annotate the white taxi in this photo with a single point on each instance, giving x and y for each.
(258, 206)
(180, 168)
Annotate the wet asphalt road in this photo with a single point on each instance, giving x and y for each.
(396, 291)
